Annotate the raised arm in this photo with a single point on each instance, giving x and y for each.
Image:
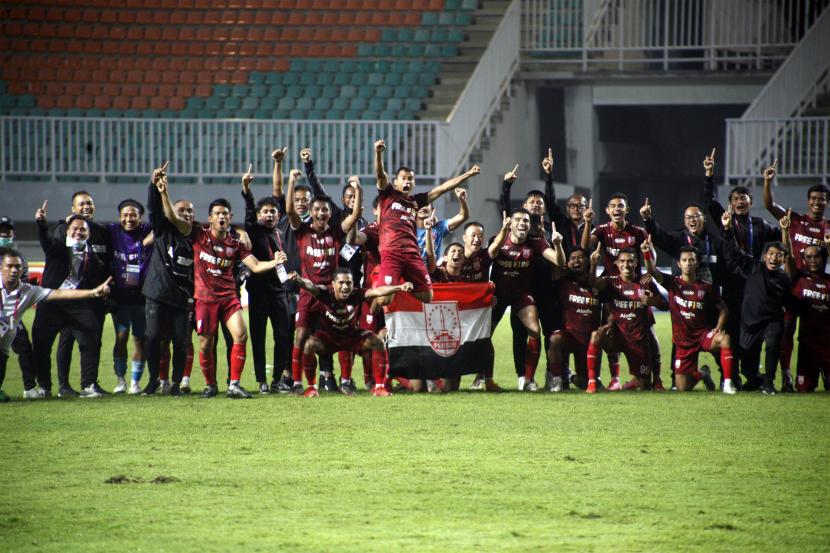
(668, 242)
(650, 260)
(504, 198)
(276, 177)
(248, 197)
(588, 242)
(160, 181)
(493, 249)
(710, 196)
(350, 222)
(380, 172)
(555, 254)
(290, 208)
(381, 291)
(789, 260)
(48, 242)
(596, 257)
(554, 213)
(774, 209)
(738, 261)
(429, 246)
(311, 176)
(443, 188)
(463, 212)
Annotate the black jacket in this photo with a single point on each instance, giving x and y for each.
(264, 244)
(712, 265)
(59, 261)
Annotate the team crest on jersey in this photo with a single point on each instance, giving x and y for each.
(700, 294)
(526, 252)
(443, 327)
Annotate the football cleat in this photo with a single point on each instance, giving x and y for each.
(491, 386)
(311, 391)
(729, 388)
(556, 384)
(614, 386)
(592, 387)
(706, 378)
(210, 391)
(380, 391)
(235, 391)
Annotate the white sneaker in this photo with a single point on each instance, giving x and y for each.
(134, 388)
(556, 384)
(531, 386)
(521, 383)
(478, 384)
(164, 388)
(121, 387)
(185, 385)
(34, 393)
(729, 388)
(89, 392)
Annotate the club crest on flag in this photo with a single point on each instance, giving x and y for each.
(443, 327)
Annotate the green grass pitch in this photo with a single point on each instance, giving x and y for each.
(463, 472)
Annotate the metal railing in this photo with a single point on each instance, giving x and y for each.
(800, 145)
(660, 35)
(107, 149)
(481, 97)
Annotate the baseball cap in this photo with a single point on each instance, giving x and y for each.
(6, 222)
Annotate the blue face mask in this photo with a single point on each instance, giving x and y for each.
(6, 241)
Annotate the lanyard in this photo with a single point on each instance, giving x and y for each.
(750, 230)
(706, 243)
(16, 305)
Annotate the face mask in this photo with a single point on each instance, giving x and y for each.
(6, 242)
(76, 245)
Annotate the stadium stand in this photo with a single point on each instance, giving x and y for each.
(290, 59)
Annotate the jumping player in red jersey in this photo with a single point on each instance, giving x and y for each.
(692, 303)
(318, 244)
(629, 321)
(400, 254)
(805, 230)
(215, 253)
(580, 314)
(337, 307)
(811, 289)
(513, 253)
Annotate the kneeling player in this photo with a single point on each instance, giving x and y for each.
(628, 326)
(690, 301)
(337, 309)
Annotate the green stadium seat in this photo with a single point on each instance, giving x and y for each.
(262, 114)
(351, 115)
(322, 104)
(334, 114)
(422, 35)
(439, 34)
(394, 104)
(276, 91)
(375, 79)
(281, 113)
(446, 18)
(389, 35)
(455, 35)
(259, 90)
(341, 104)
(308, 78)
(305, 103)
(194, 102)
(406, 115)
(233, 103)
(298, 65)
(316, 114)
(463, 19)
(294, 91)
(388, 115)
(286, 103)
(341, 79)
(469, 5)
(377, 104)
(240, 91)
(331, 66)
(290, 78)
(366, 92)
(222, 90)
(412, 104)
(256, 77)
(250, 103)
(348, 91)
(452, 5)
(429, 18)
(369, 115)
(213, 103)
(273, 78)
(358, 104)
(384, 91)
(406, 34)
(268, 103)
(313, 91)
(330, 92)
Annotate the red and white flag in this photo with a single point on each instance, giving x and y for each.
(446, 338)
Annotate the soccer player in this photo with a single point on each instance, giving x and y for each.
(629, 321)
(513, 253)
(811, 290)
(131, 241)
(766, 295)
(266, 292)
(337, 305)
(805, 230)
(319, 243)
(400, 254)
(691, 302)
(215, 253)
(168, 290)
(441, 228)
(16, 297)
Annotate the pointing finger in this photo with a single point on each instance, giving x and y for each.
(590, 203)
(712, 155)
(550, 153)
(43, 207)
(513, 172)
(164, 167)
(648, 204)
(774, 165)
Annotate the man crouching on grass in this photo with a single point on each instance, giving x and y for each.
(337, 309)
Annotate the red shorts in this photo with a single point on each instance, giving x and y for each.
(685, 359)
(516, 302)
(209, 313)
(306, 316)
(394, 269)
(638, 355)
(351, 341)
(374, 322)
(811, 360)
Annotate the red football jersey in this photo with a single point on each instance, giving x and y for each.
(335, 317)
(397, 221)
(813, 296)
(214, 260)
(691, 306)
(807, 232)
(613, 240)
(477, 267)
(580, 307)
(512, 266)
(319, 251)
(631, 315)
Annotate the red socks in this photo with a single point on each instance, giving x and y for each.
(297, 364)
(164, 364)
(531, 357)
(727, 362)
(310, 368)
(238, 356)
(379, 365)
(593, 361)
(188, 360)
(346, 361)
(208, 364)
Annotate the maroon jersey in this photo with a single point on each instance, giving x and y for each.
(613, 240)
(319, 251)
(580, 307)
(214, 260)
(440, 274)
(813, 296)
(512, 267)
(477, 267)
(807, 232)
(398, 212)
(338, 317)
(691, 306)
(627, 300)
(371, 253)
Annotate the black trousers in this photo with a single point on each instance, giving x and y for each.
(261, 309)
(83, 320)
(25, 356)
(4, 359)
(63, 356)
(752, 339)
(163, 322)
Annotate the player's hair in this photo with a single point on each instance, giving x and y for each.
(519, 210)
(342, 271)
(743, 190)
(403, 168)
(693, 204)
(268, 200)
(618, 196)
(74, 217)
(447, 249)
(580, 249)
(818, 188)
(534, 194)
(321, 198)
(473, 224)
(816, 246)
(9, 252)
(302, 188)
(345, 187)
(688, 249)
(632, 251)
(576, 195)
(80, 193)
(129, 202)
(221, 202)
(376, 202)
(774, 244)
